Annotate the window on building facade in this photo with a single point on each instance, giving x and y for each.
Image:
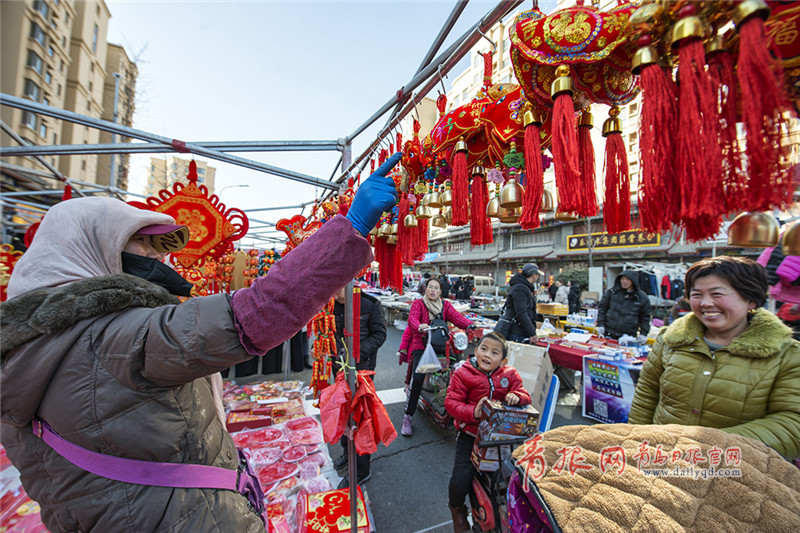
(58, 92)
(45, 101)
(32, 90)
(477, 62)
(55, 138)
(94, 37)
(63, 41)
(83, 165)
(174, 166)
(41, 7)
(91, 86)
(36, 33)
(201, 171)
(91, 66)
(464, 97)
(506, 45)
(29, 119)
(61, 65)
(34, 61)
(201, 179)
(51, 51)
(633, 109)
(42, 131)
(477, 78)
(48, 78)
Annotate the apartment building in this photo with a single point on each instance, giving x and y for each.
(55, 52)
(164, 173)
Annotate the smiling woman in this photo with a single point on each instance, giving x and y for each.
(729, 364)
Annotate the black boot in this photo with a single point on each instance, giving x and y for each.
(460, 522)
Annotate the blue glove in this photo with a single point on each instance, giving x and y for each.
(376, 195)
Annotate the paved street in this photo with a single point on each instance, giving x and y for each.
(408, 488)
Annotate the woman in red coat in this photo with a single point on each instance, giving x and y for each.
(423, 311)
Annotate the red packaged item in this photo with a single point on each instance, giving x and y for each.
(329, 512)
(294, 454)
(306, 436)
(265, 456)
(277, 471)
(307, 422)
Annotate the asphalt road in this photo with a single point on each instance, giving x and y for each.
(408, 489)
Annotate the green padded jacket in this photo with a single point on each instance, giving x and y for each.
(750, 387)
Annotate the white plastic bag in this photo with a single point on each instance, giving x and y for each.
(429, 362)
(547, 327)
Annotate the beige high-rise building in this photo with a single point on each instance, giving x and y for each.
(119, 90)
(55, 52)
(165, 172)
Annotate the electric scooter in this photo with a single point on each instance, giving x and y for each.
(434, 389)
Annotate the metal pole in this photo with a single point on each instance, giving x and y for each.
(589, 239)
(112, 180)
(20, 103)
(156, 148)
(40, 159)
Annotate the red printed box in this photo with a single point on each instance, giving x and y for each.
(329, 512)
(500, 421)
(488, 459)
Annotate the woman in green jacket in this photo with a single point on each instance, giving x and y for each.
(729, 364)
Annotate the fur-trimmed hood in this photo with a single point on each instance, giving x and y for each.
(50, 310)
(765, 335)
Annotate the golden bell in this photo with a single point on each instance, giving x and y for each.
(493, 207)
(410, 221)
(394, 229)
(753, 230)
(478, 170)
(586, 119)
(647, 55)
(392, 239)
(426, 199)
(461, 146)
(563, 216)
(562, 83)
(790, 242)
(423, 212)
(435, 199)
(385, 230)
(715, 44)
(533, 116)
(511, 194)
(446, 197)
(439, 221)
(646, 18)
(612, 124)
(448, 216)
(547, 202)
(509, 216)
(747, 8)
(374, 231)
(687, 28)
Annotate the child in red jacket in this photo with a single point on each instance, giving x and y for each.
(484, 377)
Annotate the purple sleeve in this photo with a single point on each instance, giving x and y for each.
(451, 315)
(279, 304)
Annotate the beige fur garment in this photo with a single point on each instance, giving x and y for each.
(766, 497)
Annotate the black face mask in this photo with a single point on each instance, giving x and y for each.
(155, 272)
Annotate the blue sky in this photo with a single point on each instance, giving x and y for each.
(228, 71)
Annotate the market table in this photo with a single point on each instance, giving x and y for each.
(566, 356)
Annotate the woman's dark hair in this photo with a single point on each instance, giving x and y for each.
(746, 276)
(499, 337)
(438, 282)
(574, 283)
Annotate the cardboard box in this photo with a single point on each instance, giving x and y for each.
(535, 368)
(488, 459)
(552, 309)
(501, 422)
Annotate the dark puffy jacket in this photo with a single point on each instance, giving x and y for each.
(521, 307)
(574, 298)
(622, 312)
(114, 365)
(373, 330)
(469, 384)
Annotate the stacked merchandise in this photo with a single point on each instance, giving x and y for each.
(603, 348)
(284, 446)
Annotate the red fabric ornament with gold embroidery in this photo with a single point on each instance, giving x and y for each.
(209, 221)
(298, 229)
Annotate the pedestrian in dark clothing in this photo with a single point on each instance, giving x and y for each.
(574, 297)
(445, 283)
(520, 305)
(423, 283)
(456, 287)
(624, 309)
(553, 290)
(464, 291)
(372, 335)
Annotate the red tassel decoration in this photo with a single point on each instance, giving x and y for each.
(588, 186)
(721, 71)
(478, 223)
(763, 102)
(382, 259)
(534, 173)
(405, 235)
(460, 205)
(396, 268)
(67, 193)
(698, 157)
(617, 204)
(357, 323)
(659, 201)
(565, 142)
(421, 241)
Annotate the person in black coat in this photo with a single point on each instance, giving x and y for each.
(624, 309)
(552, 290)
(574, 297)
(444, 281)
(372, 335)
(520, 305)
